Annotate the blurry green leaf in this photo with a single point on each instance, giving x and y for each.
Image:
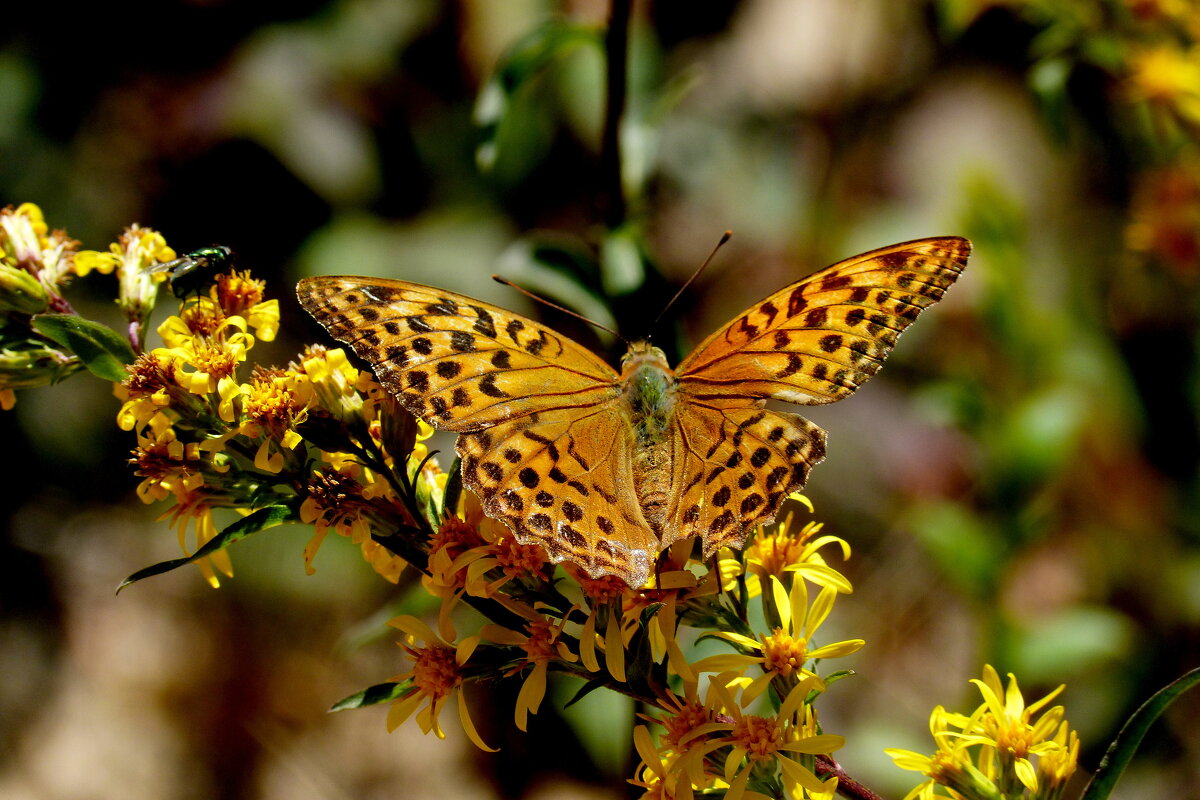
(1121, 751)
(967, 549)
(373, 695)
(260, 520)
(1040, 434)
(1071, 641)
(524, 60)
(594, 717)
(622, 269)
(955, 16)
(99, 347)
(554, 269)
(1048, 81)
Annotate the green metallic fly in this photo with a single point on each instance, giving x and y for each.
(194, 272)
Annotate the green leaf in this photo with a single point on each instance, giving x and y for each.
(622, 268)
(648, 613)
(260, 520)
(559, 270)
(585, 690)
(453, 490)
(99, 347)
(1048, 80)
(524, 60)
(373, 695)
(1121, 751)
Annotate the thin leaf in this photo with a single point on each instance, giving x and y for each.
(1121, 751)
(524, 60)
(260, 520)
(453, 490)
(373, 696)
(585, 690)
(99, 347)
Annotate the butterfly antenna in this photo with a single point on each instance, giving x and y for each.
(724, 238)
(557, 307)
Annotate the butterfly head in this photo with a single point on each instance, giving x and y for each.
(641, 353)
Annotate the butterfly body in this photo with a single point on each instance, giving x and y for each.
(608, 468)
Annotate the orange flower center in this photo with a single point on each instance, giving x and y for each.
(687, 719)
(237, 292)
(213, 360)
(760, 737)
(435, 672)
(540, 646)
(519, 560)
(782, 654)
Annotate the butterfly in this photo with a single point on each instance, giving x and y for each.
(606, 469)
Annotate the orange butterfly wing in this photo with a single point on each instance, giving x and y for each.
(815, 341)
(819, 339)
(543, 439)
(456, 362)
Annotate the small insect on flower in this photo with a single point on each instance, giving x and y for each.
(194, 272)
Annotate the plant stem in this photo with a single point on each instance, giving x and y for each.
(847, 786)
(616, 47)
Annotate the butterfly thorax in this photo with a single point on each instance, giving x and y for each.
(649, 391)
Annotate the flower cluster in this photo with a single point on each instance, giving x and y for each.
(1005, 748)
(743, 722)
(307, 438)
(36, 264)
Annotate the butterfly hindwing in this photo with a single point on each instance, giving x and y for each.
(734, 463)
(819, 339)
(560, 479)
(454, 361)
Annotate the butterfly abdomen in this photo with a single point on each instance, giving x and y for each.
(649, 394)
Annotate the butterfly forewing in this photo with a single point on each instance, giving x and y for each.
(819, 339)
(454, 361)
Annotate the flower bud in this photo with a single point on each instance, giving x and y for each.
(21, 292)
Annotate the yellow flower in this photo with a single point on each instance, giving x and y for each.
(951, 764)
(988, 754)
(756, 739)
(27, 244)
(542, 644)
(273, 403)
(1008, 728)
(167, 465)
(1165, 218)
(1167, 78)
(239, 295)
(335, 383)
(785, 550)
(202, 361)
(436, 676)
(194, 508)
(783, 652)
(336, 501)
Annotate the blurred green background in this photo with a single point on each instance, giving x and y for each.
(1019, 484)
